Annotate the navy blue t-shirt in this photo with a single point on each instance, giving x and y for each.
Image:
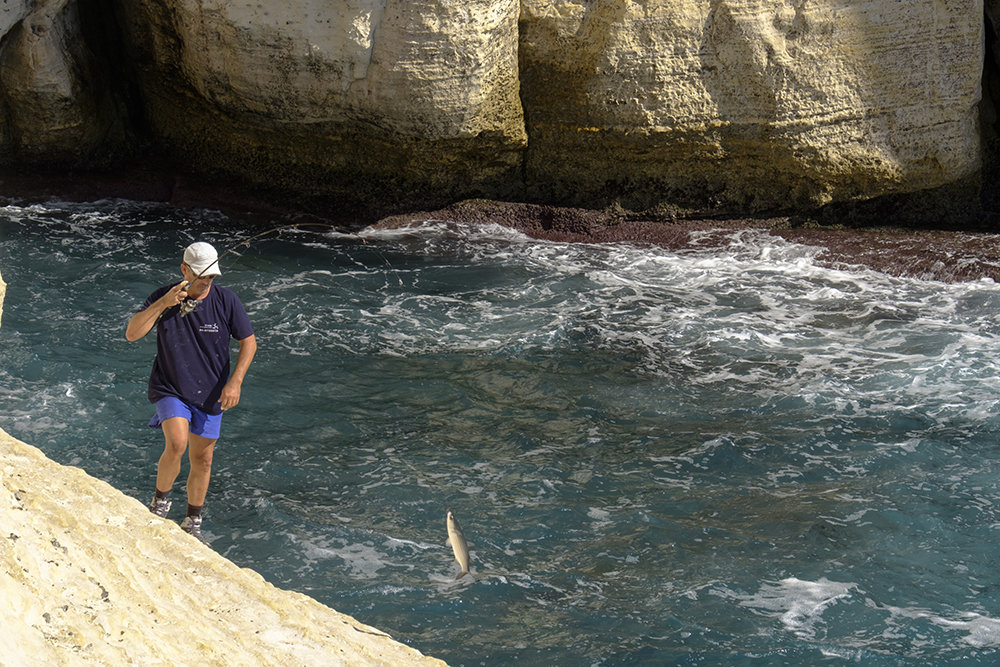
(192, 352)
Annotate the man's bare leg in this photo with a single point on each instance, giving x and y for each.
(200, 456)
(175, 435)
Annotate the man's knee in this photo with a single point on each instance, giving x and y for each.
(200, 452)
(175, 435)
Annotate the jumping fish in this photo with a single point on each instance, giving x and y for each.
(456, 538)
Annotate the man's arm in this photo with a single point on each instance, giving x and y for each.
(231, 392)
(143, 321)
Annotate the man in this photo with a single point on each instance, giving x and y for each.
(190, 383)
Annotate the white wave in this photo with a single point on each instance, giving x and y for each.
(981, 631)
(361, 560)
(435, 228)
(799, 604)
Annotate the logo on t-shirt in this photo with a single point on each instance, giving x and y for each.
(209, 327)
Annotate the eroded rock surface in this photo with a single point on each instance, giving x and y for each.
(376, 98)
(92, 578)
(753, 102)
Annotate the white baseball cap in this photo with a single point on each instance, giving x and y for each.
(202, 259)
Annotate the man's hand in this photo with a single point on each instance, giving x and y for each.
(231, 391)
(230, 394)
(143, 321)
(176, 295)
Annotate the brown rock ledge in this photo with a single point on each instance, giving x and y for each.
(896, 249)
(950, 256)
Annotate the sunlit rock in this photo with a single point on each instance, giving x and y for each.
(365, 96)
(739, 104)
(751, 102)
(92, 577)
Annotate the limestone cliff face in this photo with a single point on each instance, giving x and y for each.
(746, 103)
(364, 96)
(750, 101)
(90, 577)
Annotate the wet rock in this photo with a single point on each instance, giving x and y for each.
(948, 256)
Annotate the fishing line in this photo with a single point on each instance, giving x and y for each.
(189, 304)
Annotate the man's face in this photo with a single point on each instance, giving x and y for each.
(197, 286)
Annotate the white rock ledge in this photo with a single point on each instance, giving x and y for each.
(90, 577)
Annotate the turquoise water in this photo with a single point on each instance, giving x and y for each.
(726, 455)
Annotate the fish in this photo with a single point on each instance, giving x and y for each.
(456, 538)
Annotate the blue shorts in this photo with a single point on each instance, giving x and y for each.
(201, 423)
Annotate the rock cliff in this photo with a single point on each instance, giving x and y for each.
(369, 98)
(92, 578)
(745, 104)
(752, 102)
